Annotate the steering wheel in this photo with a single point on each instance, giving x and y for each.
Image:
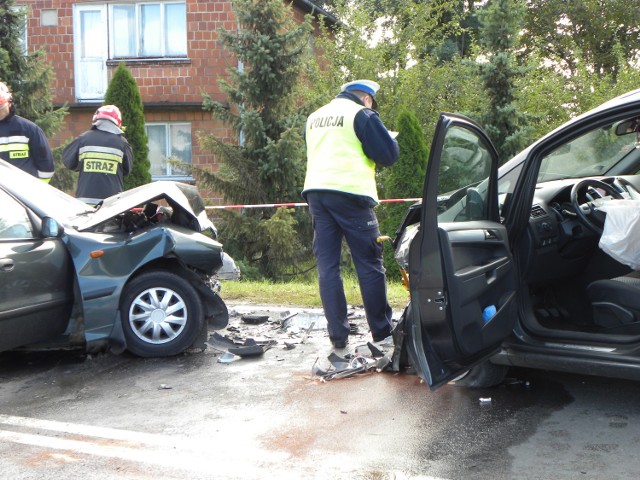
(587, 212)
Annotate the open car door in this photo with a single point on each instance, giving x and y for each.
(461, 273)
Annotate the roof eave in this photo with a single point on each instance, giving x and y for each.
(310, 7)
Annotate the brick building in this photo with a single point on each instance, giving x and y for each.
(171, 48)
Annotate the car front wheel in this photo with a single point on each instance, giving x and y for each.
(161, 314)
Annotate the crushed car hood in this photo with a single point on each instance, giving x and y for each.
(183, 198)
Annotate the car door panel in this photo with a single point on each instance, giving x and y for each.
(36, 294)
(481, 276)
(460, 261)
(36, 279)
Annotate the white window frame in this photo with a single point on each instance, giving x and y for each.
(91, 75)
(24, 9)
(137, 35)
(90, 71)
(169, 174)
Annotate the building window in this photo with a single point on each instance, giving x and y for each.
(21, 11)
(148, 30)
(170, 150)
(49, 17)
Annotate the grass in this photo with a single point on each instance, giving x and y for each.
(301, 294)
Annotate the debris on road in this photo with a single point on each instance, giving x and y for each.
(351, 364)
(252, 332)
(254, 319)
(251, 348)
(227, 357)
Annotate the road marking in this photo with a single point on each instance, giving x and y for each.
(176, 452)
(212, 455)
(91, 431)
(78, 446)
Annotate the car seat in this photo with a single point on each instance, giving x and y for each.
(615, 301)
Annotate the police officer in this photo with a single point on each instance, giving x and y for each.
(345, 141)
(102, 156)
(22, 142)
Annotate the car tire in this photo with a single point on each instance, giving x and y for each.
(483, 375)
(161, 314)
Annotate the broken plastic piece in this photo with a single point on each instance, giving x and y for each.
(316, 370)
(251, 348)
(348, 367)
(227, 357)
(375, 351)
(220, 341)
(485, 400)
(248, 350)
(287, 317)
(254, 319)
(337, 361)
(306, 334)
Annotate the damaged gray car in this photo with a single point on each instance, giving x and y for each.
(137, 272)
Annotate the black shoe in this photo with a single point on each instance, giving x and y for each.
(381, 337)
(340, 343)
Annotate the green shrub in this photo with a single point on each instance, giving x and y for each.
(123, 92)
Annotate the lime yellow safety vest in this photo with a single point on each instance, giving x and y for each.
(335, 159)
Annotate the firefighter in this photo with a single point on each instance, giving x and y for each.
(22, 142)
(102, 156)
(345, 141)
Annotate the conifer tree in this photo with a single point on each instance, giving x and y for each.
(507, 127)
(123, 92)
(266, 163)
(30, 79)
(404, 179)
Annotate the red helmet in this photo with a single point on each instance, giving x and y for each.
(108, 112)
(5, 94)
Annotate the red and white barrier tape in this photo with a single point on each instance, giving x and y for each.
(300, 204)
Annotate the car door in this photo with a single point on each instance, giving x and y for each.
(461, 273)
(36, 281)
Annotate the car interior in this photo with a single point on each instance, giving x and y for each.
(577, 291)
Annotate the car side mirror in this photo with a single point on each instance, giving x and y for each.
(51, 228)
(475, 205)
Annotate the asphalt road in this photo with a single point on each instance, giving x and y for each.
(64, 415)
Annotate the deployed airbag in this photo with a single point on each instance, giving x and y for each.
(621, 235)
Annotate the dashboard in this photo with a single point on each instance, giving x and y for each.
(560, 242)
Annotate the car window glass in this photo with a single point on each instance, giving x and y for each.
(462, 182)
(14, 221)
(591, 154)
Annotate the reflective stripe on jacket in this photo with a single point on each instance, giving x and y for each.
(103, 159)
(94, 158)
(24, 145)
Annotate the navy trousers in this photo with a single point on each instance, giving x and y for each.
(336, 216)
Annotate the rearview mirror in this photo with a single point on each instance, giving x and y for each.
(628, 126)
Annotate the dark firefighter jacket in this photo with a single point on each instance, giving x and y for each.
(103, 159)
